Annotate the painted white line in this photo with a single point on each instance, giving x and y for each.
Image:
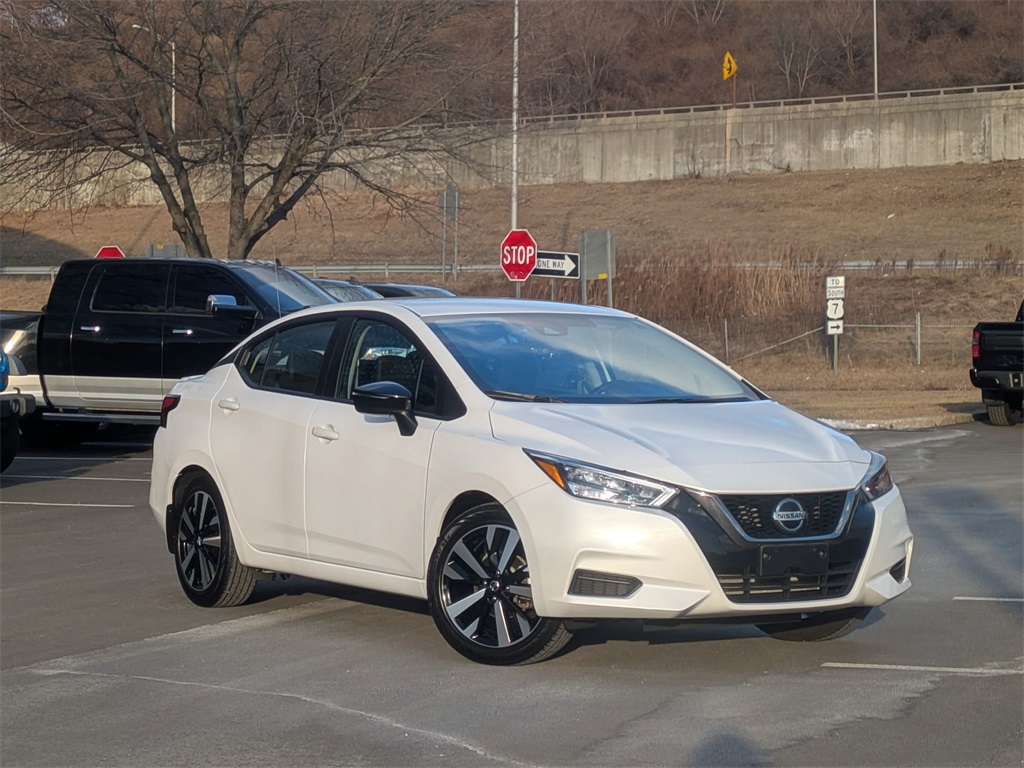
(983, 671)
(992, 599)
(83, 477)
(70, 504)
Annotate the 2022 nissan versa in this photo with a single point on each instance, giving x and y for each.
(517, 464)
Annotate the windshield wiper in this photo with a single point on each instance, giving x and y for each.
(499, 394)
(696, 400)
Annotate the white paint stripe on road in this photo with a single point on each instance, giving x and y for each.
(992, 599)
(69, 504)
(974, 671)
(83, 477)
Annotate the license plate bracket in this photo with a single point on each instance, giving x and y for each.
(796, 559)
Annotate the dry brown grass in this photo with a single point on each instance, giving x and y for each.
(680, 247)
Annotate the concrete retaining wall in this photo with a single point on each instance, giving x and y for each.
(919, 130)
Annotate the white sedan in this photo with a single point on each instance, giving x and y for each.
(517, 464)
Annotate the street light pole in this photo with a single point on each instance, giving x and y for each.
(174, 89)
(174, 79)
(874, 21)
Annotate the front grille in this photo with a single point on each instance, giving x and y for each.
(753, 514)
(748, 587)
(899, 571)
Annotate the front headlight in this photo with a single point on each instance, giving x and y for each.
(586, 481)
(877, 482)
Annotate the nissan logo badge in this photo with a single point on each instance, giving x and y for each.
(789, 516)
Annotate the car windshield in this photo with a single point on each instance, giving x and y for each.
(584, 358)
(347, 291)
(283, 288)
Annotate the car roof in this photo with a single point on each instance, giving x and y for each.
(450, 306)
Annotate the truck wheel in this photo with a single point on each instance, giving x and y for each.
(9, 440)
(55, 434)
(1002, 415)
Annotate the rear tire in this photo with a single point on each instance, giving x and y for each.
(818, 627)
(204, 553)
(480, 595)
(1003, 415)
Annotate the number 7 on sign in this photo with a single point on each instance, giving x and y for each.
(834, 309)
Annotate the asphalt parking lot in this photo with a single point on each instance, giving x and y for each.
(103, 661)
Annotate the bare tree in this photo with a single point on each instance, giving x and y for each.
(796, 38)
(256, 99)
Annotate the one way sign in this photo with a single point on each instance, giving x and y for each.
(553, 264)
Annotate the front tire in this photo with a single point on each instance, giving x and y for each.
(204, 554)
(1003, 415)
(818, 627)
(480, 594)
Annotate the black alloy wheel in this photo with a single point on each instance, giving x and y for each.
(480, 593)
(207, 564)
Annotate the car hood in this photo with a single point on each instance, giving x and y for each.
(749, 447)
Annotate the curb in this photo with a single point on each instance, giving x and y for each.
(918, 422)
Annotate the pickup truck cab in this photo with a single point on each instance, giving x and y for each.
(117, 334)
(997, 352)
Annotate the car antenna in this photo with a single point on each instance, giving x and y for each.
(277, 286)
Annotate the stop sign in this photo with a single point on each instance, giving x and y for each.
(109, 252)
(518, 254)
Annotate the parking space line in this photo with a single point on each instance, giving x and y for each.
(83, 477)
(992, 599)
(67, 504)
(973, 671)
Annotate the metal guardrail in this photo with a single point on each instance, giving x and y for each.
(387, 269)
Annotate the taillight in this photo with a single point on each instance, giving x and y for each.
(974, 346)
(169, 404)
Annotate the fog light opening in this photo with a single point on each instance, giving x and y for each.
(595, 584)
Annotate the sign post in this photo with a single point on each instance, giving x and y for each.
(835, 297)
(518, 255)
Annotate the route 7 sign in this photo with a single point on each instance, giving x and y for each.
(554, 264)
(835, 295)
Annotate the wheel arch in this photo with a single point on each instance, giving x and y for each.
(462, 503)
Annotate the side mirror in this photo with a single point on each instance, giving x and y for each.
(223, 304)
(386, 398)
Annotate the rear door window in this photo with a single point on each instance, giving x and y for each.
(130, 287)
(291, 360)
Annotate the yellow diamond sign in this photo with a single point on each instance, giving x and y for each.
(728, 66)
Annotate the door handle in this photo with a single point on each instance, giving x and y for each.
(228, 404)
(182, 331)
(93, 328)
(325, 432)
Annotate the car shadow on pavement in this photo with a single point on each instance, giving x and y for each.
(269, 589)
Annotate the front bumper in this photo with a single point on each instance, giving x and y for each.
(688, 566)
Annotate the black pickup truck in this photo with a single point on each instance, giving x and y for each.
(998, 356)
(117, 334)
